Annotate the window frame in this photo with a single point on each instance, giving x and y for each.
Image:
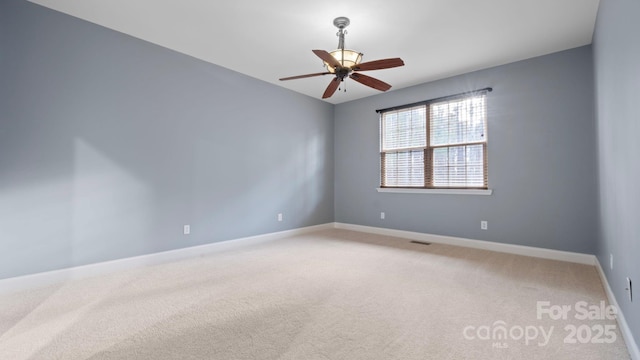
(428, 185)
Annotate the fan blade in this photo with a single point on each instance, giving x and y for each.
(304, 76)
(328, 58)
(378, 64)
(370, 82)
(333, 86)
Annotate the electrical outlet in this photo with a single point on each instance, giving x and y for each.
(280, 217)
(186, 229)
(629, 289)
(382, 215)
(611, 261)
(483, 225)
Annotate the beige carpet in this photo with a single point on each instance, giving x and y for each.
(332, 294)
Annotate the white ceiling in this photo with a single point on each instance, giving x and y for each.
(268, 40)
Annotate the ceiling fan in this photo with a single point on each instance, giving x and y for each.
(346, 63)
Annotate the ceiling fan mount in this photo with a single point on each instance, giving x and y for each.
(343, 63)
(341, 22)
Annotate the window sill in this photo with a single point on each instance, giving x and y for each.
(436, 191)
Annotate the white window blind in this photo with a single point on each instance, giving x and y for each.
(403, 142)
(438, 144)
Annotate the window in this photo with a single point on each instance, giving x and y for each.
(439, 144)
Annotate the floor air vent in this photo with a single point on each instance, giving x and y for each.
(420, 242)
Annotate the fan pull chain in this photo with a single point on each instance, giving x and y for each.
(342, 84)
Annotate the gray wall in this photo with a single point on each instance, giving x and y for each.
(109, 144)
(616, 51)
(541, 159)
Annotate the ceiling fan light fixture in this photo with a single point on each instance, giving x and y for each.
(344, 63)
(348, 58)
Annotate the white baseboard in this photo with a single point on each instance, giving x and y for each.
(632, 346)
(579, 258)
(80, 272)
(84, 271)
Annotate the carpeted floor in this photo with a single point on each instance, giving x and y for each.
(332, 294)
